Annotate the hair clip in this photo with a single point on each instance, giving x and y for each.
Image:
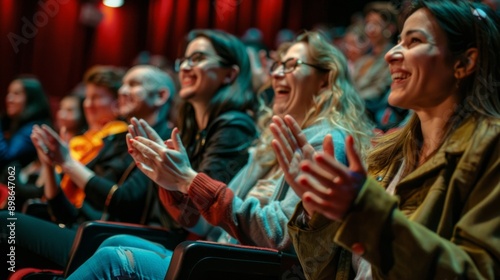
(479, 13)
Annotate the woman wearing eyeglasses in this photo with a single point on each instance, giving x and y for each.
(218, 106)
(313, 86)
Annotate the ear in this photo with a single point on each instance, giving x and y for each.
(325, 82)
(466, 65)
(231, 74)
(163, 95)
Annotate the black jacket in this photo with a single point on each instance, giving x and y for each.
(127, 203)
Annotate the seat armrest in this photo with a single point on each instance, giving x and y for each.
(208, 260)
(92, 233)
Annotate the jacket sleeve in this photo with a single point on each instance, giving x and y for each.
(395, 242)
(127, 202)
(226, 152)
(108, 166)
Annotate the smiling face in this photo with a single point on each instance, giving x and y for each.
(99, 105)
(294, 91)
(201, 81)
(15, 100)
(421, 67)
(134, 99)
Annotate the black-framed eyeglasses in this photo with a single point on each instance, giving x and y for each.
(290, 64)
(196, 58)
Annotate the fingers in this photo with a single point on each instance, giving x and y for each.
(314, 203)
(129, 138)
(37, 137)
(144, 157)
(170, 144)
(138, 128)
(328, 147)
(148, 147)
(315, 177)
(329, 165)
(294, 127)
(50, 132)
(131, 131)
(53, 142)
(299, 137)
(280, 134)
(355, 163)
(176, 139)
(150, 132)
(285, 130)
(283, 160)
(143, 162)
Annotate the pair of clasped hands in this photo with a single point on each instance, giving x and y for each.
(50, 146)
(325, 185)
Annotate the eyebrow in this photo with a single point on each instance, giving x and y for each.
(411, 31)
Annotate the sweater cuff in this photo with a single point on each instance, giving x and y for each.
(203, 191)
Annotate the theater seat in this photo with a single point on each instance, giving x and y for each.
(193, 260)
(91, 234)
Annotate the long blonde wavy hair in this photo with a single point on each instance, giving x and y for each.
(340, 104)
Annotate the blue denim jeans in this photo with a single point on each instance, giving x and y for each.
(126, 257)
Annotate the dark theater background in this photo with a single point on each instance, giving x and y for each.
(56, 40)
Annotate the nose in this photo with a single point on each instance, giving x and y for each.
(394, 55)
(278, 72)
(185, 65)
(123, 90)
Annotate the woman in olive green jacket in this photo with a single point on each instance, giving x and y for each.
(433, 214)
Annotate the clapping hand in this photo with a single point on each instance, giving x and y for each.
(291, 148)
(50, 148)
(166, 163)
(330, 187)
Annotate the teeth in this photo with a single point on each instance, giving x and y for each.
(187, 80)
(399, 75)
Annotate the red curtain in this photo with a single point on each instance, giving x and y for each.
(49, 38)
